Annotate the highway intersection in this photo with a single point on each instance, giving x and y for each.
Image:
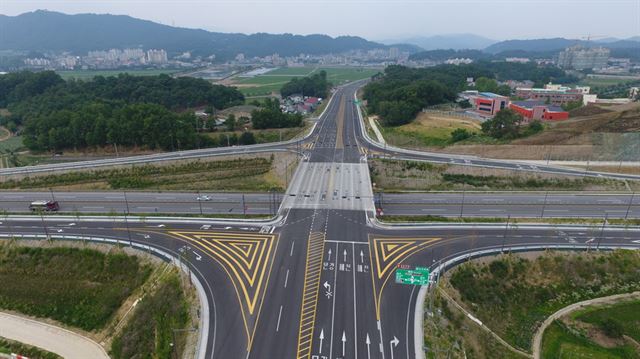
(317, 281)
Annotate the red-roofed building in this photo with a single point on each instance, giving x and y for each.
(538, 110)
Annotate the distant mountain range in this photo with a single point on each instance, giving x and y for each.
(450, 41)
(42, 31)
(52, 31)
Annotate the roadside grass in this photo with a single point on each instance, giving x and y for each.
(594, 134)
(428, 130)
(90, 74)
(513, 220)
(241, 174)
(449, 333)
(624, 315)
(150, 331)
(561, 342)
(82, 288)
(267, 135)
(394, 175)
(12, 347)
(512, 295)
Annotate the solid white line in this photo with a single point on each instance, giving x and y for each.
(355, 311)
(346, 242)
(286, 279)
(335, 290)
(279, 315)
(291, 252)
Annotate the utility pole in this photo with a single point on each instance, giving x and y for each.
(630, 204)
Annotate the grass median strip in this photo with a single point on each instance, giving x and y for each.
(524, 220)
(241, 174)
(394, 175)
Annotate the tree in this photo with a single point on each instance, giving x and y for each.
(504, 125)
(460, 134)
(247, 138)
(230, 122)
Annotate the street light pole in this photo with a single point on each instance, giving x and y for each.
(504, 235)
(199, 202)
(53, 198)
(604, 223)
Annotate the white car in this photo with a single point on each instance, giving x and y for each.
(203, 198)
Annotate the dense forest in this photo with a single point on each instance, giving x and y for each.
(402, 92)
(315, 85)
(270, 116)
(124, 110)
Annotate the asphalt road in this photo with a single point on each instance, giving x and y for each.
(320, 284)
(338, 186)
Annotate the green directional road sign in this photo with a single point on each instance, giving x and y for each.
(417, 276)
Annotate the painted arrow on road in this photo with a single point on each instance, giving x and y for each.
(368, 342)
(361, 257)
(329, 260)
(327, 286)
(392, 344)
(198, 257)
(344, 342)
(321, 339)
(344, 254)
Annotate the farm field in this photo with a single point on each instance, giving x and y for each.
(271, 82)
(89, 74)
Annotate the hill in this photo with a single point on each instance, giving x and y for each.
(450, 41)
(52, 31)
(558, 44)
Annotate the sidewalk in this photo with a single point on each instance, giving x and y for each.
(58, 340)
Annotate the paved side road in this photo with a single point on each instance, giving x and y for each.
(537, 339)
(58, 340)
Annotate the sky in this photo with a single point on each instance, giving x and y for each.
(373, 19)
